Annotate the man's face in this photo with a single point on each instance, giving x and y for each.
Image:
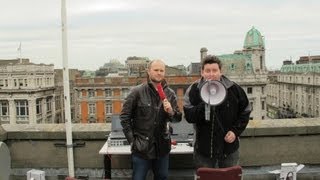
(211, 72)
(156, 71)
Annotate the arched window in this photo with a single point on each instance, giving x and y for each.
(232, 67)
(248, 66)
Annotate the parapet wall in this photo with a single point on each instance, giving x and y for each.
(264, 143)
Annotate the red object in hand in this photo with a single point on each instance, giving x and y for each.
(173, 142)
(160, 92)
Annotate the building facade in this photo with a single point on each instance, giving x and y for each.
(27, 92)
(101, 97)
(137, 65)
(294, 91)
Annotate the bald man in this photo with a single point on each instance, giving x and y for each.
(145, 116)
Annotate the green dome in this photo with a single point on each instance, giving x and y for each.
(253, 39)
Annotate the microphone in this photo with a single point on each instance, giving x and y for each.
(160, 92)
(163, 98)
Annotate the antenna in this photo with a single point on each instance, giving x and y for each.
(19, 49)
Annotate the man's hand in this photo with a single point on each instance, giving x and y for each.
(230, 137)
(167, 107)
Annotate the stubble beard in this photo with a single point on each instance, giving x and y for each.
(155, 81)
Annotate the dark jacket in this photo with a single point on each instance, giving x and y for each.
(145, 123)
(232, 115)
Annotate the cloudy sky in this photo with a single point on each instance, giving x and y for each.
(175, 30)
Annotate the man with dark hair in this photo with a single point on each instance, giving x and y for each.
(145, 118)
(217, 139)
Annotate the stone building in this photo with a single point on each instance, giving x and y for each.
(194, 68)
(137, 65)
(112, 67)
(27, 92)
(295, 90)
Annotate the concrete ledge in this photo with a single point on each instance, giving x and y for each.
(56, 131)
(275, 127)
(282, 127)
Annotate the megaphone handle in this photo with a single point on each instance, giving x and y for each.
(207, 108)
(207, 112)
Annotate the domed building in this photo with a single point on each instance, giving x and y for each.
(247, 68)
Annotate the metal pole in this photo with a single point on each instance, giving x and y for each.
(66, 88)
(20, 57)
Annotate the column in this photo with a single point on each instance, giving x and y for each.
(32, 111)
(53, 109)
(12, 112)
(44, 110)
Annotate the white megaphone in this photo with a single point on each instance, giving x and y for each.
(213, 93)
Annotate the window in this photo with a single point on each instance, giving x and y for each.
(125, 92)
(91, 93)
(108, 92)
(309, 98)
(22, 108)
(248, 66)
(38, 106)
(249, 90)
(49, 106)
(57, 102)
(262, 105)
(251, 104)
(4, 108)
(108, 107)
(262, 90)
(232, 67)
(20, 82)
(92, 109)
(72, 114)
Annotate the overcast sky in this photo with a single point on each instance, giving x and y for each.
(174, 30)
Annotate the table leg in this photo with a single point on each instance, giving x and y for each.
(107, 166)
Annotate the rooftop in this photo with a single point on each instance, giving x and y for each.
(265, 144)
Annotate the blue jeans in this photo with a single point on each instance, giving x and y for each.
(141, 167)
(202, 161)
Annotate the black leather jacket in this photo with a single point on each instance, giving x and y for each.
(232, 115)
(145, 123)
